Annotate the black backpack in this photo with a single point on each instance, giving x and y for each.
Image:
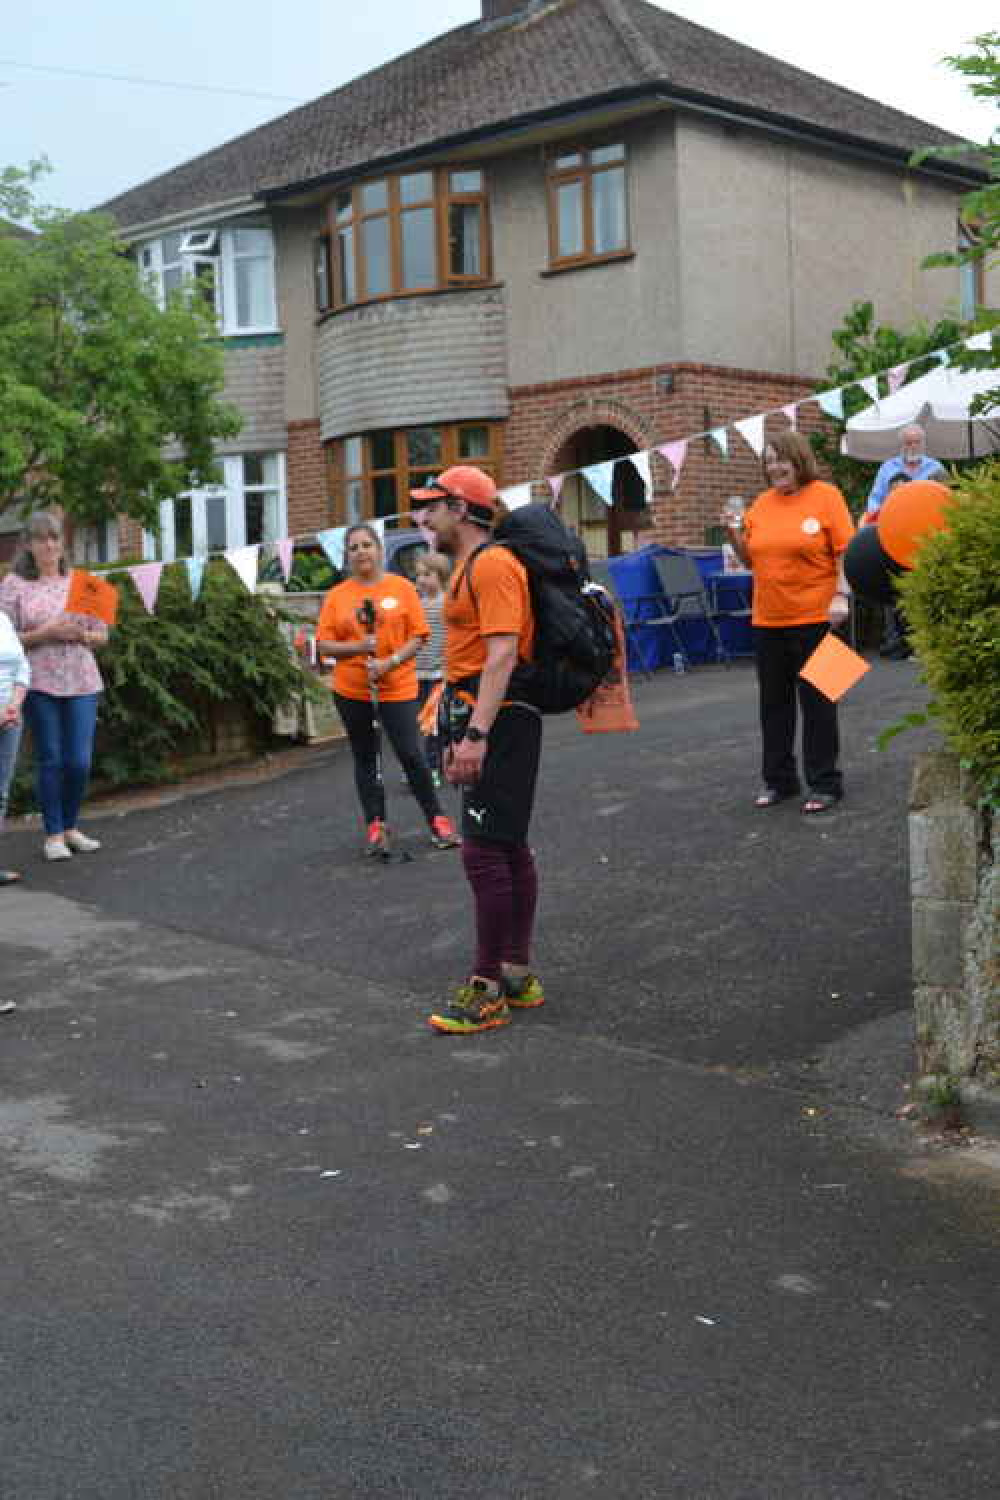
(574, 618)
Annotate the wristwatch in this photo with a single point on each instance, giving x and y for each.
(476, 735)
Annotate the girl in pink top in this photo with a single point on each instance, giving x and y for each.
(61, 705)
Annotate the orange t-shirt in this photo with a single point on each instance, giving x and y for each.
(499, 603)
(399, 616)
(794, 542)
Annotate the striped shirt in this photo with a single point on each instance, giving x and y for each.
(430, 657)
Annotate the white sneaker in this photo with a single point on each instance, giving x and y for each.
(56, 849)
(80, 842)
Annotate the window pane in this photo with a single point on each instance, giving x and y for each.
(253, 468)
(381, 451)
(464, 239)
(345, 252)
(353, 512)
(416, 187)
(473, 442)
(423, 446)
(252, 241)
(375, 197)
(322, 273)
(172, 279)
(261, 510)
(171, 248)
(254, 301)
(342, 207)
(375, 255)
(466, 182)
(183, 538)
(610, 231)
(418, 248)
(602, 154)
(569, 233)
(352, 455)
(215, 522)
(384, 495)
(571, 159)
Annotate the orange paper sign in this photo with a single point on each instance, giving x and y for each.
(834, 667)
(89, 595)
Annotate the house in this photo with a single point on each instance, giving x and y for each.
(566, 231)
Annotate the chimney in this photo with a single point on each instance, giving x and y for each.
(496, 10)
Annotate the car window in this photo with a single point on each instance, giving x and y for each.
(404, 558)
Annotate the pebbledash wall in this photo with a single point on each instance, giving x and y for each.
(653, 406)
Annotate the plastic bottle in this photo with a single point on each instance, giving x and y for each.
(679, 662)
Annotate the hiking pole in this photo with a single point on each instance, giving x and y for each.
(366, 619)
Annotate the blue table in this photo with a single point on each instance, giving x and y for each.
(732, 592)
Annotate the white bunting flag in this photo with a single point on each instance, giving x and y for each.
(720, 437)
(751, 430)
(284, 549)
(600, 477)
(243, 561)
(943, 356)
(332, 542)
(980, 343)
(870, 387)
(196, 573)
(146, 577)
(379, 524)
(832, 403)
(675, 454)
(641, 460)
(516, 496)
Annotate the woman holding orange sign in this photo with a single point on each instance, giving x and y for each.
(793, 538)
(61, 704)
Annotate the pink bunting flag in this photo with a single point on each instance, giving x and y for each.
(791, 412)
(555, 484)
(146, 577)
(896, 376)
(675, 454)
(285, 547)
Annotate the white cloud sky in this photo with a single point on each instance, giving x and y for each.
(103, 137)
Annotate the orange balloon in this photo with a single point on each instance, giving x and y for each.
(911, 512)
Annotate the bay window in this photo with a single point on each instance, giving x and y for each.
(374, 471)
(247, 505)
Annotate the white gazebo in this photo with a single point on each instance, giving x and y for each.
(938, 402)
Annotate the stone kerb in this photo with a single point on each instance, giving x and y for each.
(955, 889)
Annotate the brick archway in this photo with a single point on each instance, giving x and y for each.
(593, 412)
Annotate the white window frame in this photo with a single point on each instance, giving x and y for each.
(235, 491)
(197, 254)
(90, 540)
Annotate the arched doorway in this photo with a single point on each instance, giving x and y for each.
(605, 530)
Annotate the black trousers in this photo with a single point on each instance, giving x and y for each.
(781, 651)
(399, 724)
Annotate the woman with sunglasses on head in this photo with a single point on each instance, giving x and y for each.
(372, 626)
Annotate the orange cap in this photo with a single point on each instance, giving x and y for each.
(910, 512)
(464, 482)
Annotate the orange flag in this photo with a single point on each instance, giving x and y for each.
(609, 709)
(89, 595)
(834, 667)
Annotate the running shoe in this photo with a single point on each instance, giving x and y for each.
(376, 838)
(443, 835)
(477, 1006)
(525, 993)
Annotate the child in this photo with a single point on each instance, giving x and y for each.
(431, 575)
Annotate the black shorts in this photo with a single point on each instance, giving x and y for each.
(498, 808)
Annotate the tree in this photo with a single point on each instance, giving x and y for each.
(866, 348)
(98, 384)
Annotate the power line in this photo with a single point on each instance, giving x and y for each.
(153, 83)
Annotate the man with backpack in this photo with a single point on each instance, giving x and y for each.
(493, 743)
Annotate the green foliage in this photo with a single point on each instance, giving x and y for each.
(866, 348)
(96, 380)
(311, 573)
(164, 672)
(952, 603)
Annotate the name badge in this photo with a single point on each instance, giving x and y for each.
(810, 526)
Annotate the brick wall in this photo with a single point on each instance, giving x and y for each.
(544, 419)
(308, 498)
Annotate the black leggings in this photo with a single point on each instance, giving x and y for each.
(399, 725)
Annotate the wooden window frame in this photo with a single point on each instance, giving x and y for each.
(405, 474)
(584, 172)
(323, 260)
(440, 201)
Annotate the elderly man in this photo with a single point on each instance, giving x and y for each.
(910, 463)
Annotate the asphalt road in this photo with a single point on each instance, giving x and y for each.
(269, 1238)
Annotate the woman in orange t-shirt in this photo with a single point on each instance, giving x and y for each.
(793, 539)
(382, 660)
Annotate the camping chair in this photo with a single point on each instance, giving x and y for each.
(630, 609)
(740, 610)
(685, 598)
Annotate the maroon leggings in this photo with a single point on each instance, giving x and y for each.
(505, 892)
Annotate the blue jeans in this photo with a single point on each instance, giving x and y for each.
(62, 732)
(10, 739)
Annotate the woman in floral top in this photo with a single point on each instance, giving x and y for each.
(61, 705)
